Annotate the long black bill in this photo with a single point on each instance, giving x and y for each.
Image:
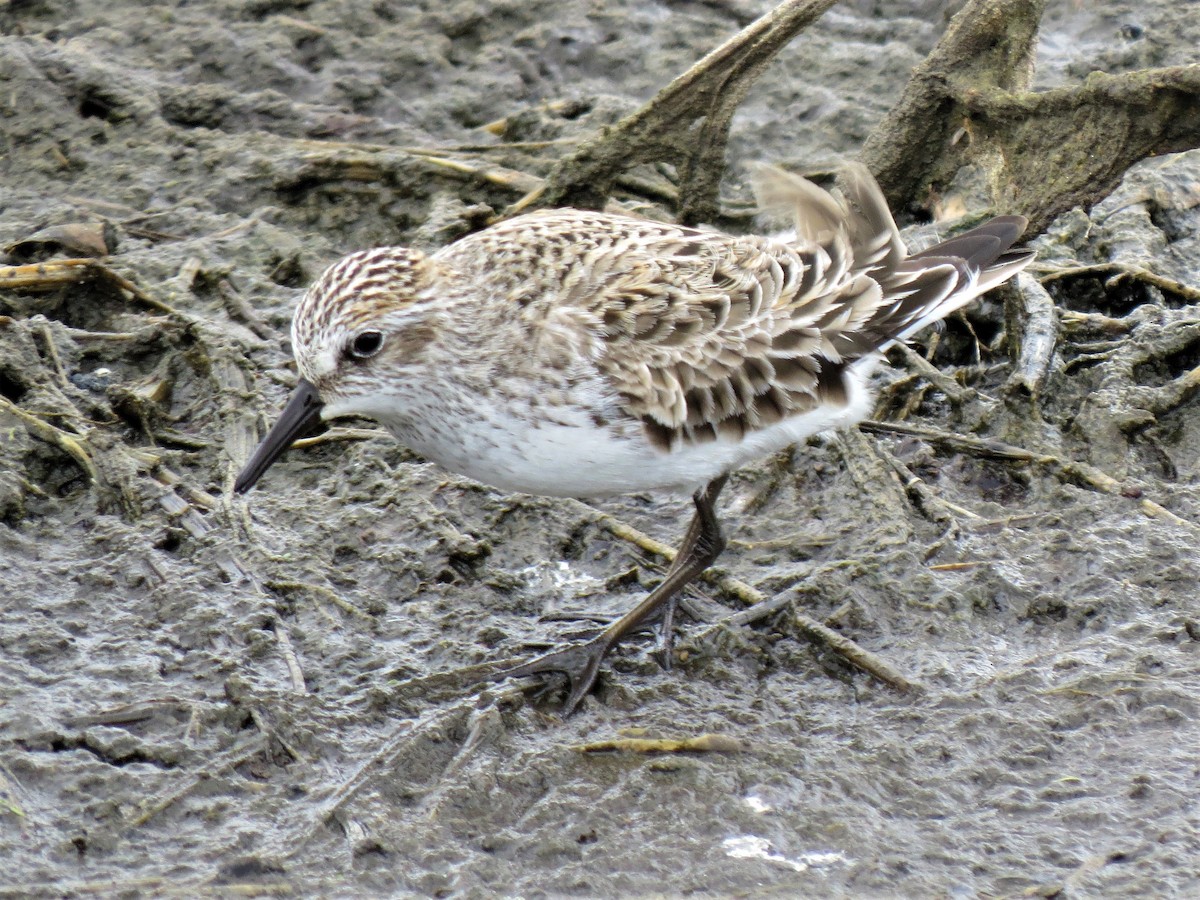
(302, 412)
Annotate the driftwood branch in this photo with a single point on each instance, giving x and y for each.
(1045, 153)
(918, 147)
(967, 104)
(1072, 146)
(686, 124)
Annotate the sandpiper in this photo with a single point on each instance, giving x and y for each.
(586, 354)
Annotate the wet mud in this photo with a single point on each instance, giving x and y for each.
(202, 693)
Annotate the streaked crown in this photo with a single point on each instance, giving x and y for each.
(360, 290)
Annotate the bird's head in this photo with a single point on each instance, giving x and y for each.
(359, 329)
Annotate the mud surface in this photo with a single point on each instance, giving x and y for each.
(199, 692)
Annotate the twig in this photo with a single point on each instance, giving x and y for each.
(289, 655)
(500, 176)
(240, 309)
(58, 272)
(340, 160)
(109, 887)
(1123, 270)
(762, 606)
(854, 654)
(264, 727)
(69, 444)
(1070, 470)
(701, 743)
(625, 532)
(228, 760)
(334, 435)
(52, 351)
(959, 443)
(1073, 321)
(934, 375)
(129, 713)
(321, 591)
(388, 752)
(1172, 394)
(1032, 322)
(482, 725)
(748, 616)
(446, 150)
(927, 503)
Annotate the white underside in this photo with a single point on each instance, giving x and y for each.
(577, 459)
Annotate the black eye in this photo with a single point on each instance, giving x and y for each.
(366, 344)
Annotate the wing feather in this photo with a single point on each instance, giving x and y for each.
(705, 336)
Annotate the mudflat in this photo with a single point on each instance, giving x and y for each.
(286, 692)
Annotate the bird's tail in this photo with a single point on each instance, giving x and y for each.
(854, 226)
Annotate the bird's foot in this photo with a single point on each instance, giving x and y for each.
(579, 662)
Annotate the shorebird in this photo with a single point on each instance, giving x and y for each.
(587, 354)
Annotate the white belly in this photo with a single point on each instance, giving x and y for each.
(570, 456)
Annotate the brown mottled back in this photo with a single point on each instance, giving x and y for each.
(707, 335)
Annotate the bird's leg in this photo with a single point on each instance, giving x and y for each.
(703, 520)
(702, 543)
